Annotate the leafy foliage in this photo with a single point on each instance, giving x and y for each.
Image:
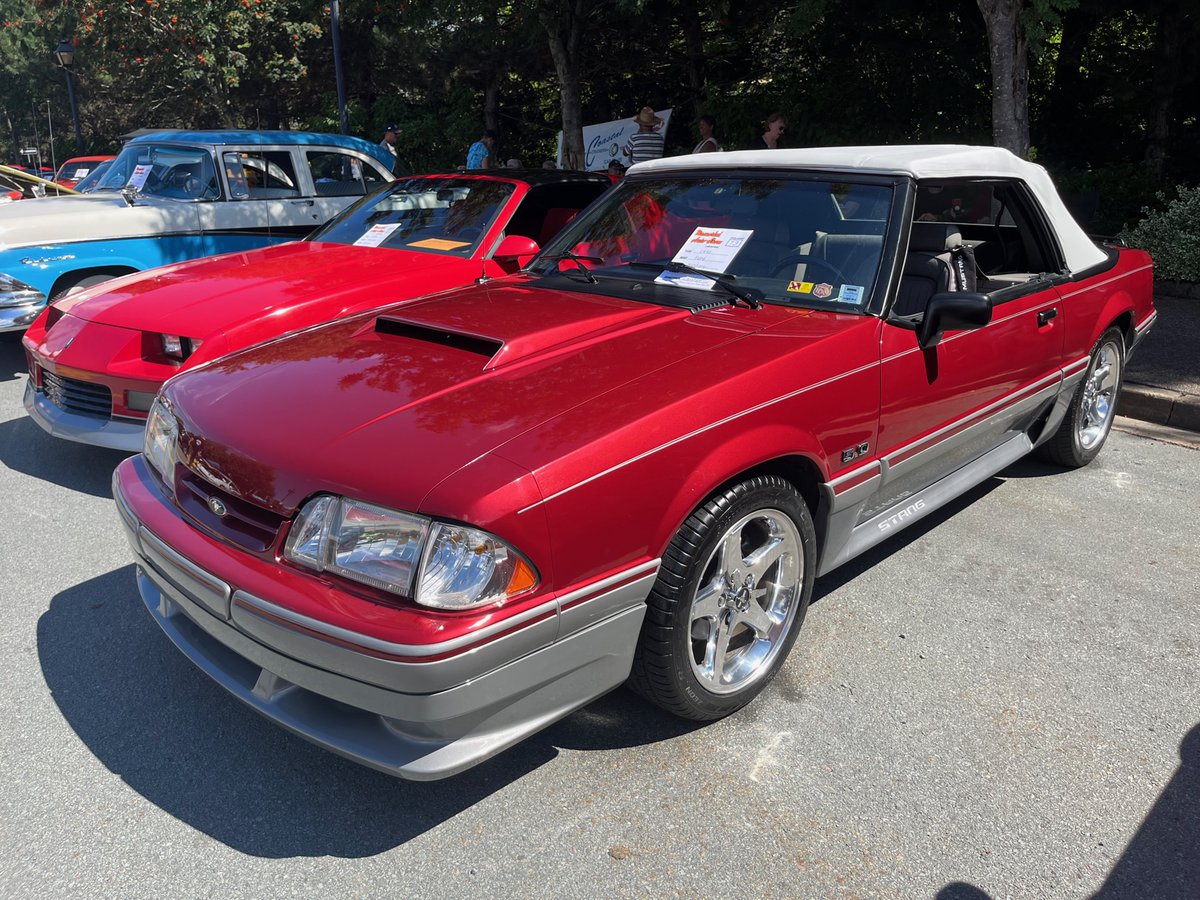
(1171, 233)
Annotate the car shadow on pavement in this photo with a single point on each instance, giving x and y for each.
(180, 741)
(847, 572)
(25, 448)
(12, 356)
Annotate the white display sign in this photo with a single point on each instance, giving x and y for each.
(708, 249)
(139, 176)
(376, 235)
(603, 143)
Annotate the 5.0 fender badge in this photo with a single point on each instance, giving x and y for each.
(218, 508)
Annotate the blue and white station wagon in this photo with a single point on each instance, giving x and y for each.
(176, 195)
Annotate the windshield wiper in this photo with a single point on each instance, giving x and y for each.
(579, 261)
(752, 297)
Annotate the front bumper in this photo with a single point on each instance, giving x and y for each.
(421, 719)
(18, 309)
(116, 434)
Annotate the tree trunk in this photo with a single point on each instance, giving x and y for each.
(1008, 52)
(1168, 53)
(693, 36)
(563, 21)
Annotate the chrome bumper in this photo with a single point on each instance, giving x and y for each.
(19, 308)
(421, 720)
(115, 434)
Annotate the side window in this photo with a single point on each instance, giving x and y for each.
(337, 174)
(995, 226)
(260, 175)
(547, 209)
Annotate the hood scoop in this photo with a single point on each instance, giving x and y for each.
(484, 347)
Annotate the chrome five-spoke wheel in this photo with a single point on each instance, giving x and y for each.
(1093, 407)
(746, 600)
(1100, 394)
(729, 600)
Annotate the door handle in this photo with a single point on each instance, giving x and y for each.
(1046, 315)
(301, 202)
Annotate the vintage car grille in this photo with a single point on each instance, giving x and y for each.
(82, 397)
(243, 524)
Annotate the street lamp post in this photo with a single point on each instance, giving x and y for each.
(65, 54)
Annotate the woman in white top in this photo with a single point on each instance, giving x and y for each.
(708, 141)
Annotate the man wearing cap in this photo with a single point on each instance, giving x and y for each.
(479, 155)
(389, 139)
(647, 143)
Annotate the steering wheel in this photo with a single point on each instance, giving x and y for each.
(809, 260)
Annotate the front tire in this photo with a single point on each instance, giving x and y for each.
(730, 598)
(1093, 408)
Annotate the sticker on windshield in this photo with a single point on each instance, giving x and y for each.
(850, 293)
(800, 287)
(439, 244)
(708, 249)
(139, 176)
(822, 290)
(376, 235)
(82, 173)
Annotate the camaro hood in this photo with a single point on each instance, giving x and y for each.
(199, 297)
(386, 406)
(54, 221)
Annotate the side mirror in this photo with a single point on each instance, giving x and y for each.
(516, 245)
(952, 311)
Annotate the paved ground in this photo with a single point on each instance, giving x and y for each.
(1001, 703)
(1162, 383)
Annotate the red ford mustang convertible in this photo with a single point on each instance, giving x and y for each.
(97, 358)
(418, 535)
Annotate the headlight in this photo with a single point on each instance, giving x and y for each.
(14, 292)
(159, 448)
(451, 566)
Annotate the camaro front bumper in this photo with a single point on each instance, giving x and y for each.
(116, 434)
(357, 696)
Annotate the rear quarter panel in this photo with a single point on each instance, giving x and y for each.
(1124, 293)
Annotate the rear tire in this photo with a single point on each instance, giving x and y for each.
(730, 598)
(1093, 408)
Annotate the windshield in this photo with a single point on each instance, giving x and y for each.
(75, 169)
(90, 181)
(432, 215)
(793, 241)
(163, 170)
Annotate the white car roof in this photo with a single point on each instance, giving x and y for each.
(918, 161)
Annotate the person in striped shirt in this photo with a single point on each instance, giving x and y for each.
(647, 143)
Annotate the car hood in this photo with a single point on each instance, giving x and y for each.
(300, 284)
(82, 217)
(385, 406)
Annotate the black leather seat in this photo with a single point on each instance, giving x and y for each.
(927, 265)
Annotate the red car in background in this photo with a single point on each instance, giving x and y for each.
(98, 357)
(417, 535)
(77, 168)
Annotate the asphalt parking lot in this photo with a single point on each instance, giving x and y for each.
(1001, 702)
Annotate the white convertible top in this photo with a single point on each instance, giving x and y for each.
(918, 161)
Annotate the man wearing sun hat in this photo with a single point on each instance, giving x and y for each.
(647, 143)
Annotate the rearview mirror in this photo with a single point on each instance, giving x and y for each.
(952, 311)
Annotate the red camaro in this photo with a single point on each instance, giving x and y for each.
(417, 535)
(98, 357)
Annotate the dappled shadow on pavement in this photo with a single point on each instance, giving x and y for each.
(187, 746)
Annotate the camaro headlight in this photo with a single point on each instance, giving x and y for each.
(436, 564)
(161, 433)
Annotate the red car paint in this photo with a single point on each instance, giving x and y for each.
(109, 335)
